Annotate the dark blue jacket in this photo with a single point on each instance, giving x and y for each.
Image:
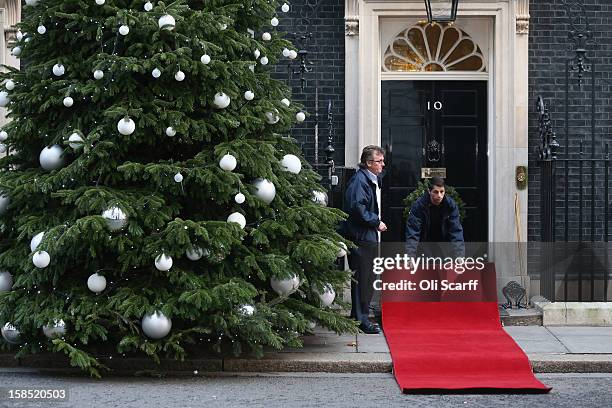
(417, 226)
(362, 208)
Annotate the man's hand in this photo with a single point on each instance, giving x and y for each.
(382, 227)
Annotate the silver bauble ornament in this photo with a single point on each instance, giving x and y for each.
(178, 177)
(58, 70)
(156, 325)
(4, 202)
(166, 22)
(221, 100)
(293, 54)
(36, 240)
(285, 287)
(126, 126)
(249, 95)
(196, 253)
(6, 281)
(98, 74)
(272, 117)
(237, 218)
(300, 117)
(170, 131)
(3, 148)
(75, 141)
(11, 334)
(148, 6)
(320, 197)
(9, 84)
(247, 310)
(163, 262)
(96, 283)
(286, 52)
(115, 218)
(57, 329)
(264, 190)
(263, 61)
(19, 35)
(51, 158)
(41, 29)
(179, 76)
(16, 51)
(285, 7)
(4, 99)
(205, 59)
(31, 2)
(156, 73)
(274, 21)
(327, 296)
(124, 30)
(228, 162)
(68, 101)
(3, 136)
(239, 198)
(41, 259)
(100, 2)
(266, 36)
(291, 163)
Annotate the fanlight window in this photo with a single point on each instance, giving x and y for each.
(433, 47)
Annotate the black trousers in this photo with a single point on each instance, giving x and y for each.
(361, 261)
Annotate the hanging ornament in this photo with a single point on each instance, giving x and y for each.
(68, 101)
(96, 283)
(31, 2)
(58, 329)
(58, 70)
(4, 99)
(320, 197)
(50, 157)
(179, 76)
(237, 218)
(6, 281)
(126, 126)
(36, 240)
(3, 136)
(196, 253)
(163, 262)
(156, 326)
(100, 2)
(285, 287)
(285, 7)
(274, 21)
(16, 51)
(293, 54)
(4, 202)
(311, 325)
(300, 117)
(285, 102)
(239, 198)
(75, 141)
(223, 26)
(9, 85)
(252, 68)
(247, 310)
(124, 30)
(256, 53)
(148, 6)
(286, 52)
(41, 259)
(11, 334)
(266, 36)
(249, 95)
(264, 190)
(166, 22)
(156, 73)
(221, 100)
(170, 131)
(205, 59)
(272, 117)
(328, 295)
(264, 61)
(41, 29)
(3, 148)
(228, 162)
(291, 163)
(98, 74)
(115, 218)
(343, 250)
(178, 177)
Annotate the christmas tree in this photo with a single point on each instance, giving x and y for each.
(151, 198)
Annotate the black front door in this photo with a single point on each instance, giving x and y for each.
(435, 125)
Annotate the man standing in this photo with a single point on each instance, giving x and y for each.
(363, 227)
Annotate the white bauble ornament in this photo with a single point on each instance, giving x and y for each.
(163, 262)
(300, 117)
(126, 126)
(239, 198)
(247, 310)
(100, 2)
(115, 218)
(293, 54)
(4, 202)
(170, 131)
(3, 148)
(249, 95)
(156, 73)
(41, 29)
(124, 30)
(311, 325)
(58, 70)
(264, 61)
(166, 22)
(6, 281)
(57, 329)
(68, 101)
(221, 100)
(50, 157)
(274, 21)
(4, 99)
(285, 7)
(11, 334)
(196, 253)
(342, 251)
(285, 287)
(205, 59)
(156, 325)
(3, 136)
(266, 36)
(272, 117)
(96, 283)
(31, 2)
(285, 102)
(19, 35)
(228, 162)
(328, 295)
(178, 177)
(75, 141)
(256, 53)
(223, 26)
(36, 240)
(16, 51)
(148, 6)
(9, 84)
(320, 197)
(286, 52)
(179, 76)
(41, 259)
(98, 74)
(237, 218)
(264, 190)
(291, 163)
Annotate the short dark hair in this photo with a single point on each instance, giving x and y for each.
(367, 154)
(436, 181)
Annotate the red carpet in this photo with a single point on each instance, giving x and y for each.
(458, 347)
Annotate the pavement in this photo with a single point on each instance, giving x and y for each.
(558, 349)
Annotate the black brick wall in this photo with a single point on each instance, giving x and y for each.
(326, 51)
(548, 50)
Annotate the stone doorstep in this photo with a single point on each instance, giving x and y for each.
(520, 317)
(574, 313)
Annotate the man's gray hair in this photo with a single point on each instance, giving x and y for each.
(367, 154)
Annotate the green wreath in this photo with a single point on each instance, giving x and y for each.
(422, 187)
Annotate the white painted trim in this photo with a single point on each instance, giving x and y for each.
(434, 76)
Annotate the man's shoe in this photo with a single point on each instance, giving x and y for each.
(369, 328)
